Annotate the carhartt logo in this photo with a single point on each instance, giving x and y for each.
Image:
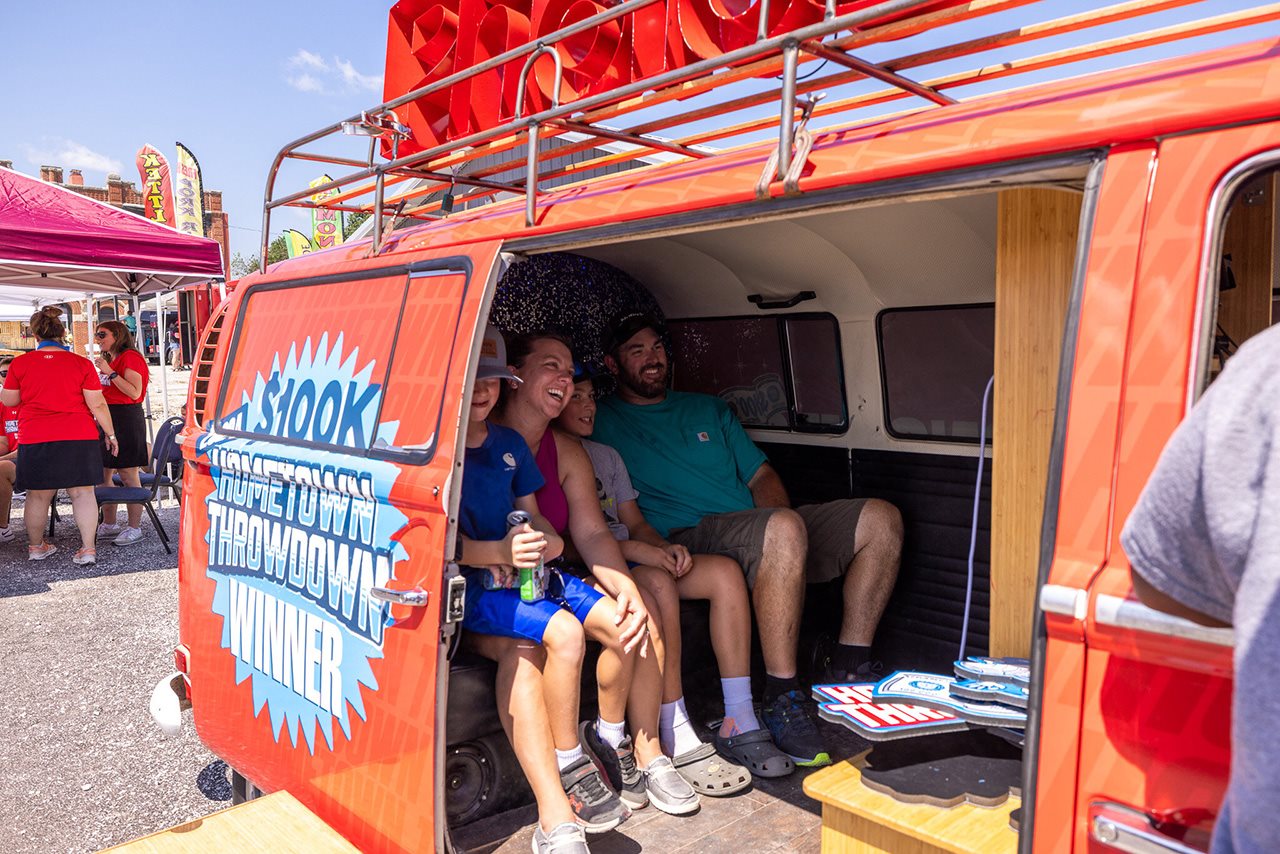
(509, 459)
(703, 437)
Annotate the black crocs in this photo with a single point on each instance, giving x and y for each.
(755, 750)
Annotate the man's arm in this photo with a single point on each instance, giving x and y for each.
(767, 489)
(1153, 598)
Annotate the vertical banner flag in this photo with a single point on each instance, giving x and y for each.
(296, 242)
(190, 193)
(326, 225)
(156, 190)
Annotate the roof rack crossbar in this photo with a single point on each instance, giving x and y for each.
(834, 39)
(875, 71)
(769, 65)
(705, 66)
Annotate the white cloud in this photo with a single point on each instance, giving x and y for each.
(70, 155)
(356, 80)
(310, 72)
(306, 83)
(307, 59)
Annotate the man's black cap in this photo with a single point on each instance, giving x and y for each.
(627, 324)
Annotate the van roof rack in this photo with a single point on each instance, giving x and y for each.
(422, 175)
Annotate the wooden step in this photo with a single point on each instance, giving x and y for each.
(277, 822)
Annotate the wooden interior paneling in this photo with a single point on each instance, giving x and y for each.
(1035, 249)
(1249, 240)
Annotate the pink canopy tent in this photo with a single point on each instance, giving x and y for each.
(55, 238)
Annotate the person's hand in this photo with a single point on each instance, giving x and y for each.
(503, 576)
(634, 620)
(104, 367)
(525, 544)
(112, 445)
(676, 560)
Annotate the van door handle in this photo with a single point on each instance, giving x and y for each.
(1130, 614)
(1126, 829)
(416, 598)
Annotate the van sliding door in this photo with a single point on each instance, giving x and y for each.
(315, 631)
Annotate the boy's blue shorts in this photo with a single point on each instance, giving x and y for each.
(504, 613)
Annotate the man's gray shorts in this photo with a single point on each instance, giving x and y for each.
(740, 535)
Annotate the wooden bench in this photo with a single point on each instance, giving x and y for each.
(857, 819)
(275, 822)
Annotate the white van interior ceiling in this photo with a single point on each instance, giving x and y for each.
(857, 261)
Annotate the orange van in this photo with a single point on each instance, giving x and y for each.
(1099, 245)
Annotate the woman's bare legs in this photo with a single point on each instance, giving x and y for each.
(630, 683)
(719, 580)
(35, 514)
(130, 477)
(8, 474)
(84, 508)
(523, 710)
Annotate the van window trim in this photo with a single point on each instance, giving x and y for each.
(1215, 231)
(884, 382)
(788, 379)
(453, 265)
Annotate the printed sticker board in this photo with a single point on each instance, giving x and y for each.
(855, 707)
(934, 691)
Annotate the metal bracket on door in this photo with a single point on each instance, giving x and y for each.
(415, 598)
(1122, 828)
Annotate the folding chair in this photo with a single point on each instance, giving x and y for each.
(171, 470)
(157, 478)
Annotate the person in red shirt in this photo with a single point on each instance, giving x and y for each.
(61, 397)
(124, 384)
(8, 457)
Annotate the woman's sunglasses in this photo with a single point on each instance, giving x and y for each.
(100, 334)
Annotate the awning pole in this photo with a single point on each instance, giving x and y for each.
(137, 325)
(160, 341)
(90, 322)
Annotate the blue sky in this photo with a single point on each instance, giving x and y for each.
(89, 82)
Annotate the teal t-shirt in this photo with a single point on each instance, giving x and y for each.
(688, 456)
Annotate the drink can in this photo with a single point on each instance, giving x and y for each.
(533, 580)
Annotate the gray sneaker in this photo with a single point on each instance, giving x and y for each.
(565, 838)
(668, 791)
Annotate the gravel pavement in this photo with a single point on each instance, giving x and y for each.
(82, 766)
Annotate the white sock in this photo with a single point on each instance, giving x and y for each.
(611, 734)
(565, 758)
(737, 703)
(675, 731)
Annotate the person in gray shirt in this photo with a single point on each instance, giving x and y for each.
(1204, 544)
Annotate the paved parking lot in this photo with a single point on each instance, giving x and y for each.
(82, 766)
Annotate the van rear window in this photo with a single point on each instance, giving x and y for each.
(781, 372)
(934, 365)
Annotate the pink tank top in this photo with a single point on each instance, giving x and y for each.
(552, 502)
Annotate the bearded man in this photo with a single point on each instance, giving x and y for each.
(705, 485)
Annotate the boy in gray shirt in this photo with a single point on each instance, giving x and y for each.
(1204, 544)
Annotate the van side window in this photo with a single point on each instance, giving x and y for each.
(782, 372)
(309, 363)
(934, 365)
(1247, 274)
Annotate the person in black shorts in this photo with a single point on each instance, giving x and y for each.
(704, 484)
(124, 375)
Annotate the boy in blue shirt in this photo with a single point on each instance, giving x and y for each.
(500, 476)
